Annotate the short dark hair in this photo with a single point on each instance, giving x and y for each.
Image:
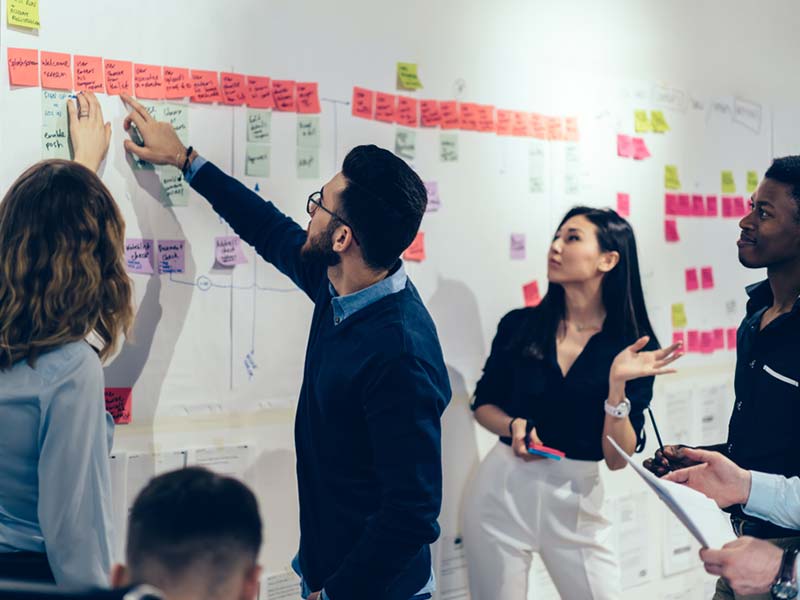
(384, 201)
(192, 516)
(787, 170)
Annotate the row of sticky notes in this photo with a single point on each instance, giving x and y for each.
(672, 180)
(416, 251)
(696, 205)
(632, 147)
(118, 404)
(60, 71)
(140, 258)
(706, 342)
(467, 116)
(656, 122)
(706, 280)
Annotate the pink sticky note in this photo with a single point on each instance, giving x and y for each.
(517, 246)
(671, 204)
(234, 88)
(691, 280)
(147, 82)
(730, 333)
(385, 105)
(679, 337)
(530, 292)
(89, 73)
(671, 230)
(624, 146)
(486, 122)
(706, 342)
(23, 66)
(707, 278)
(504, 118)
(693, 340)
(407, 113)
(739, 207)
(259, 92)
(640, 151)
(228, 251)
(416, 251)
(118, 404)
(719, 338)
(684, 205)
(139, 255)
(434, 201)
(56, 70)
(119, 76)
(449, 112)
(727, 207)
(711, 206)
(308, 97)
(177, 83)
(363, 103)
(283, 91)
(623, 204)
(171, 258)
(205, 87)
(698, 205)
(468, 115)
(429, 113)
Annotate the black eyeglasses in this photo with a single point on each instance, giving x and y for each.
(315, 201)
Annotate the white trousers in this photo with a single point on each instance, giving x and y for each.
(514, 508)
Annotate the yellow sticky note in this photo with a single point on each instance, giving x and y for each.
(671, 179)
(728, 183)
(23, 13)
(679, 320)
(752, 181)
(641, 122)
(407, 78)
(658, 121)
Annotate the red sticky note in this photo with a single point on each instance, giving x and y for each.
(706, 342)
(571, 133)
(177, 83)
(739, 208)
(205, 87)
(671, 230)
(385, 106)
(118, 404)
(719, 338)
(56, 70)
(624, 146)
(691, 280)
(234, 89)
(283, 94)
(698, 205)
(684, 205)
(530, 291)
(727, 207)
(363, 103)
(730, 333)
(407, 111)
(486, 118)
(147, 82)
(449, 112)
(537, 126)
(640, 151)
(504, 118)
(429, 113)
(707, 278)
(623, 204)
(89, 73)
(119, 76)
(416, 251)
(259, 92)
(679, 337)
(555, 128)
(693, 340)
(23, 66)
(671, 204)
(711, 206)
(520, 123)
(468, 115)
(308, 98)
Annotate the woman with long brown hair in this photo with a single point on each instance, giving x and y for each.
(62, 286)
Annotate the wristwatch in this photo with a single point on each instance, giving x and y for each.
(785, 586)
(621, 410)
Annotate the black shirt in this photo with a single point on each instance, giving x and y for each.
(567, 411)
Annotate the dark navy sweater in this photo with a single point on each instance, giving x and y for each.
(367, 429)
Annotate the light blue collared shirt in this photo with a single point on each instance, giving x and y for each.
(196, 165)
(347, 306)
(55, 482)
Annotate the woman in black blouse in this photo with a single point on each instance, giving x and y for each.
(566, 374)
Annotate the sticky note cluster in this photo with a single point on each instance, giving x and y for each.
(632, 147)
(706, 280)
(697, 341)
(140, 258)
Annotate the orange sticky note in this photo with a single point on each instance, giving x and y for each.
(537, 126)
(385, 105)
(671, 231)
(118, 404)
(205, 86)
(89, 73)
(283, 94)
(23, 66)
(468, 115)
(308, 98)
(416, 251)
(234, 91)
(623, 204)
(486, 121)
(707, 278)
(259, 92)
(530, 292)
(519, 123)
(56, 70)
(571, 133)
(147, 82)
(119, 76)
(555, 128)
(363, 103)
(177, 83)
(504, 120)
(407, 111)
(691, 280)
(429, 113)
(449, 112)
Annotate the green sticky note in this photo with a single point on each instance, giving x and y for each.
(407, 78)
(175, 191)
(728, 183)
(23, 13)
(256, 160)
(308, 131)
(671, 179)
(176, 115)
(405, 143)
(752, 181)
(679, 320)
(536, 170)
(259, 125)
(641, 122)
(658, 121)
(154, 110)
(448, 147)
(307, 163)
(55, 125)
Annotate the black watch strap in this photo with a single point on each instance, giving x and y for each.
(785, 586)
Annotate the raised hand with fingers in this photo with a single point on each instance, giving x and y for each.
(89, 135)
(632, 363)
(161, 144)
(715, 475)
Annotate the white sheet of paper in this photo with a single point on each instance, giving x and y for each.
(230, 460)
(279, 586)
(678, 409)
(631, 527)
(679, 548)
(118, 464)
(453, 583)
